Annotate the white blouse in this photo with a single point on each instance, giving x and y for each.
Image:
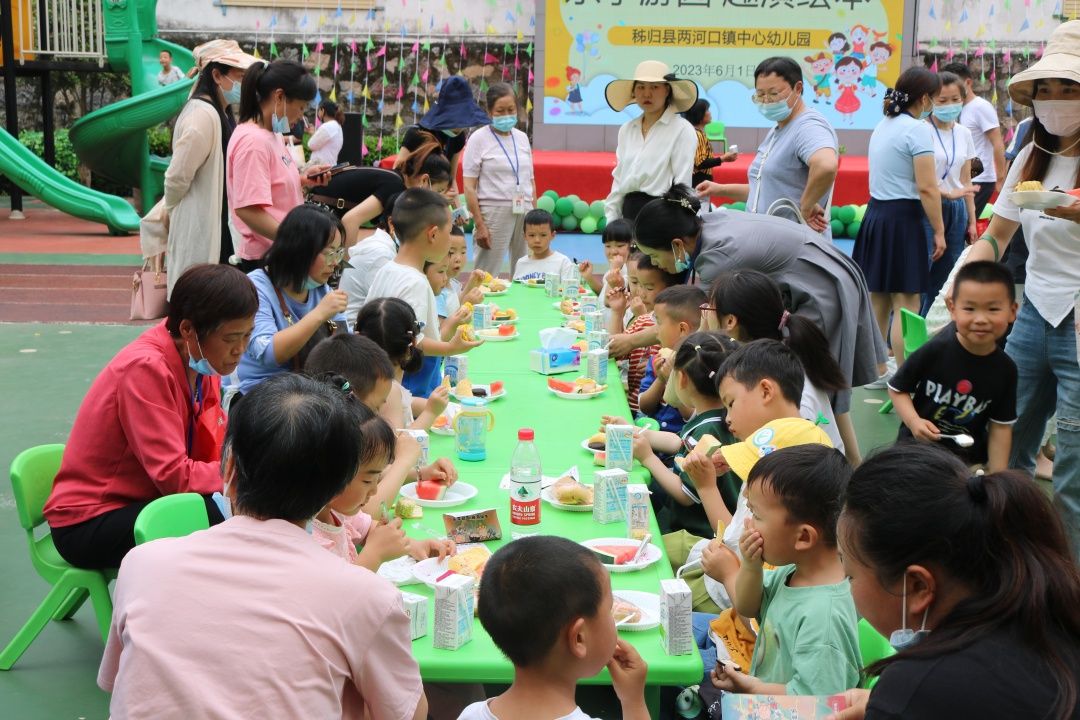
(652, 163)
(326, 144)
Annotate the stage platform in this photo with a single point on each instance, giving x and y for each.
(588, 174)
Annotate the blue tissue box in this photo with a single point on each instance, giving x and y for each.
(555, 361)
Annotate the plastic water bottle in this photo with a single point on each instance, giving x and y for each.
(525, 476)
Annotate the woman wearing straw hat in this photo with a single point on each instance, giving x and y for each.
(656, 150)
(1044, 340)
(196, 211)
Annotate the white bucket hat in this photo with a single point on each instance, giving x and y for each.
(620, 93)
(1061, 60)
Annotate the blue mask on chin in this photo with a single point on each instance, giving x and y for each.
(681, 264)
(310, 284)
(201, 366)
(279, 124)
(905, 637)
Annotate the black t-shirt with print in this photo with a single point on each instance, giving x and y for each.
(413, 139)
(959, 392)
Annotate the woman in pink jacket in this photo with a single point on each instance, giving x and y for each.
(152, 424)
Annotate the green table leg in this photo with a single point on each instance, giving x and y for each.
(652, 700)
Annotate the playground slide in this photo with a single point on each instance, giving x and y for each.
(37, 178)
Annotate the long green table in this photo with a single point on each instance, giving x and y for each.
(560, 426)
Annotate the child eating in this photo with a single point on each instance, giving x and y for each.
(617, 238)
(677, 312)
(554, 645)
(539, 232)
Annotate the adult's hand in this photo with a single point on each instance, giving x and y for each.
(707, 189)
(482, 236)
(857, 700)
(1066, 212)
(939, 246)
(315, 176)
(814, 215)
(333, 304)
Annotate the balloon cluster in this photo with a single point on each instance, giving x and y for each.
(572, 213)
(846, 220)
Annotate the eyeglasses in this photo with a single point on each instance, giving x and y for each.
(333, 256)
(769, 97)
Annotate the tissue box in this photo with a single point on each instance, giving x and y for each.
(637, 511)
(472, 526)
(555, 361)
(609, 496)
(415, 606)
(620, 447)
(676, 607)
(453, 612)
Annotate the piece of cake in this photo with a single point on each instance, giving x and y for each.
(470, 563)
(625, 611)
(1028, 185)
(464, 388)
(598, 441)
(568, 491)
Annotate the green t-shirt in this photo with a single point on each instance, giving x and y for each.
(809, 637)
(693, 518)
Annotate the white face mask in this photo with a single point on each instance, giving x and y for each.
(1059, 117)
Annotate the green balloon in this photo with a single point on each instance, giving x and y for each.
(588, 224)
(564, 207)
(572, 198)
(837, 228)
(596, 209)
(551, 194)
(544, 202)
(601, 223)
(834, 212)
(853, 229)
(739, 205)
(581, 209)
(860, 213)
(846, 214)
(569, 223)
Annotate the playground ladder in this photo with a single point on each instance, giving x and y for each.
(60, 29)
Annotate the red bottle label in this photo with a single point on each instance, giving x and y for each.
(524, 512)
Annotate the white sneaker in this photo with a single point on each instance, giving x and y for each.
(882, 382)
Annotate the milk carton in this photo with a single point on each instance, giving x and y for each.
(637, 511)
(415, 606)
(457, 367)
(483, 316)
(609, 496)
(676, 606)
(598, 339)
(571, 290)
(552, 284)
(620, 447)
(424, 442)
(596, 365)
(589, 304)
(593, 319)
(453, 612)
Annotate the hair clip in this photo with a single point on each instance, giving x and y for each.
(682, 202)
(697, 348)
(712, 374)
(976, 488)
(345, 387)
(783, 320)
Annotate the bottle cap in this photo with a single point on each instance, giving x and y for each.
(525, 434)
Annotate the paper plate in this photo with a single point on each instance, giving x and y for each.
(558, 305)
(399, 571)
(648, 603)
(1041, 199)
(579, 333)
(483, 400)
(452, 409)
(510, 321)
(576, 396)
(494, 336)
(430, 570)
(457, 494)
(494, 293)
(531, 282)
(548, 496)
(650, 555)
(585, 446)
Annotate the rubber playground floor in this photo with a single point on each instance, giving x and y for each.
(64, 292)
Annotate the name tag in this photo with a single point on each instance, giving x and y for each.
(518, 203)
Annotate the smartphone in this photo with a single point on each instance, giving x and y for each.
(339, 167)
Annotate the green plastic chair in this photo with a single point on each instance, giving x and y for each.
(913, 328)
(872, 647)
(715, 132)
(32, 475)
(171, 516)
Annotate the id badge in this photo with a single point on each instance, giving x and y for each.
(518, 203)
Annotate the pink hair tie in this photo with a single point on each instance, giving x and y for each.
(783, 320)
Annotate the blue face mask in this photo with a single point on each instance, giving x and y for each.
(232, 95)
(279, 125)
(905, 637)
(202, 366)
(681, 264)
(776, 111)
(948, 113)
(925, 114)
(224, 504)
(504, 123)
(451, 133)
(310, 284)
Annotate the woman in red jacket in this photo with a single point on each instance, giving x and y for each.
(152, 423)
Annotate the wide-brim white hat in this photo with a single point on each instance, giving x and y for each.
(1060, 60)
(620, 93)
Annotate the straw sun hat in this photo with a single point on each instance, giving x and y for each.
(620, 93)
(1061, 60)
(223, 52)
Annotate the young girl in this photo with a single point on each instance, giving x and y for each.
(573, 90)
(972, 579)
(342, 525)
(747, 305)
(499, 185)
(617, 238)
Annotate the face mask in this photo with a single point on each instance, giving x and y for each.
(681, 264)
(504, 123)
(1059, 117)
(224, 504)
(905, 637)
(279, 125)
(776, 111)
(202, 366)
(948, 113)
(451, 133)
(232, 95)
(310, 284)
(924, 114)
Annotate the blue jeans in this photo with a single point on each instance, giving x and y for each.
(955, 216)
(1048, 378)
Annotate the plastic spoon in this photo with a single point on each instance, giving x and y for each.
(641, 548)
(962, 440)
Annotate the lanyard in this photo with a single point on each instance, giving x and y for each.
(196, 406)
(515, 168)
(761, 171)
(948, 161)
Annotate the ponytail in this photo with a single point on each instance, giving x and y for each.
(262, 79)
(391, 323)
(997, 535)
(700, 356)
(333, 111)
(675, 215)
(757, 303)
(428, 159)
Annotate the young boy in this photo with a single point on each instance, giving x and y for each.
(617, 238)
(554, 645)
(808, 643)
(454, 294)
(539, 232)
(646, 282)
(961, 381)
(359, 360)
(421, 223)
(677, 313)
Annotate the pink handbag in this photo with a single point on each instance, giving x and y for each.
(149, 286)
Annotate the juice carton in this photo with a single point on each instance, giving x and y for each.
(593, 319)
(637, 511)
(676, 606)
(596, 365)
(453, 612)
(609, 496)
(483, 316)
(457, 367)
(620, 447)
(552, 284)
(598, 339)
(422, 439)
(415, 606)
(589, 304)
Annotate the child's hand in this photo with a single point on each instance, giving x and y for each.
(718, 561)
(726, 677)
(662, 368)
(475, 296)
(637, 306)
(475, 278)
(628, 672)
(699, 468)
(442, 470)
(617, 300)
(585, 268)
(720, 464)
(406, 449)
(458, 344)
(386, 541)
(424, 549)
(461, 316)
(620, 345)
(856, 700)
(438, 400)
(613, 277)
(925, 430)
(606, 420)
(642, 447)
(751, 545)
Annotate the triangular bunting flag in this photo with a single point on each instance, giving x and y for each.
(933, 66)
(427, 45)
(382, 51)
(424, 77)
(531, 76)
(319, 47)
(490, 59)
(528, 105)
(400, 92)
(483, 86)
(378, 145)
(350, 97)
(333, 94)
(427, 105)
(255, 54)
(415, 79)
(366, 92)
(363, 121)
(520, 36)
(505, 73)
(363, 148)
(529, 50)
(416, 47)
(369, 45)
(401, 63)
(273, 49)
(398, 122)
(415, 107)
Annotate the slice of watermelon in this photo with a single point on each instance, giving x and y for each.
(506, 330)
(430, 490)
(560, 385)
(496, 387)
(622, 554)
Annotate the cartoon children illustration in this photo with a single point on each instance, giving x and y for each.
(848, 69)
(880, 52)
(822, 65)
(838, 45)
(859, 33)
(573, 90)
